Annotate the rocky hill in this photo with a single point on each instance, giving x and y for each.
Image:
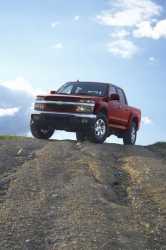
(66, 195)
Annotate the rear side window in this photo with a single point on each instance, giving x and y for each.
(122, 96)
(112, 90)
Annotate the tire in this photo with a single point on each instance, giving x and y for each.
(99, 130)
(80, 136)
(131, 135)
(41, 132)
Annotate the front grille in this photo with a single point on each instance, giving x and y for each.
(63, 99)
(60, 108)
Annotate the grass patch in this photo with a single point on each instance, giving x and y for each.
(11, 137)
(160, 144)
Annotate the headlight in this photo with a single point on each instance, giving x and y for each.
(85, 109)
(39, 106)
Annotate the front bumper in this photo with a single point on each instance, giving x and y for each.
(64, 121)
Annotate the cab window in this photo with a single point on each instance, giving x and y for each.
(112, 90)
(122, 97)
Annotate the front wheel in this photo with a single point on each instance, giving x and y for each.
(99, 130)
(131, 135)
(41, 132)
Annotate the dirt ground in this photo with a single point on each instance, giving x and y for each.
(81, 196)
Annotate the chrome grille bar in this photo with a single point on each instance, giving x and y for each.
(63, 113)
(66, 103)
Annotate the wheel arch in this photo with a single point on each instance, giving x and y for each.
(104, 111)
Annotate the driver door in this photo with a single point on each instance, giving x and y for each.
(113, 109)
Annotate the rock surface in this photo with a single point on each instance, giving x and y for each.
(66, 195)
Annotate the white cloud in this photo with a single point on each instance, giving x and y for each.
(57, 46)
(120, 34)
(129, 13)
(19, 84)
(153, 60)
(54, 24)
(8, 111)
(16, 98)
(123, 48)
(130, 19)
(147, 30)
(147, 120)
(76, 18)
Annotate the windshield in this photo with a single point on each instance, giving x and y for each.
(82, 88)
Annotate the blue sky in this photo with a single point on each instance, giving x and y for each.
(46, 43)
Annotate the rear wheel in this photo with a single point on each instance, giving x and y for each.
(99, 130)
(131, 135)
(41, 132)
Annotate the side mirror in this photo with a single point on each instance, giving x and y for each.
(114, 97)
(53, 92)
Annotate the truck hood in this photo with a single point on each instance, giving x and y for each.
(71, 98)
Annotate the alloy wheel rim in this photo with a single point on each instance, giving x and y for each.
(133, 134)
(100, 128)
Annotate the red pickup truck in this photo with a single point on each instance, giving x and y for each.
(93, 110)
